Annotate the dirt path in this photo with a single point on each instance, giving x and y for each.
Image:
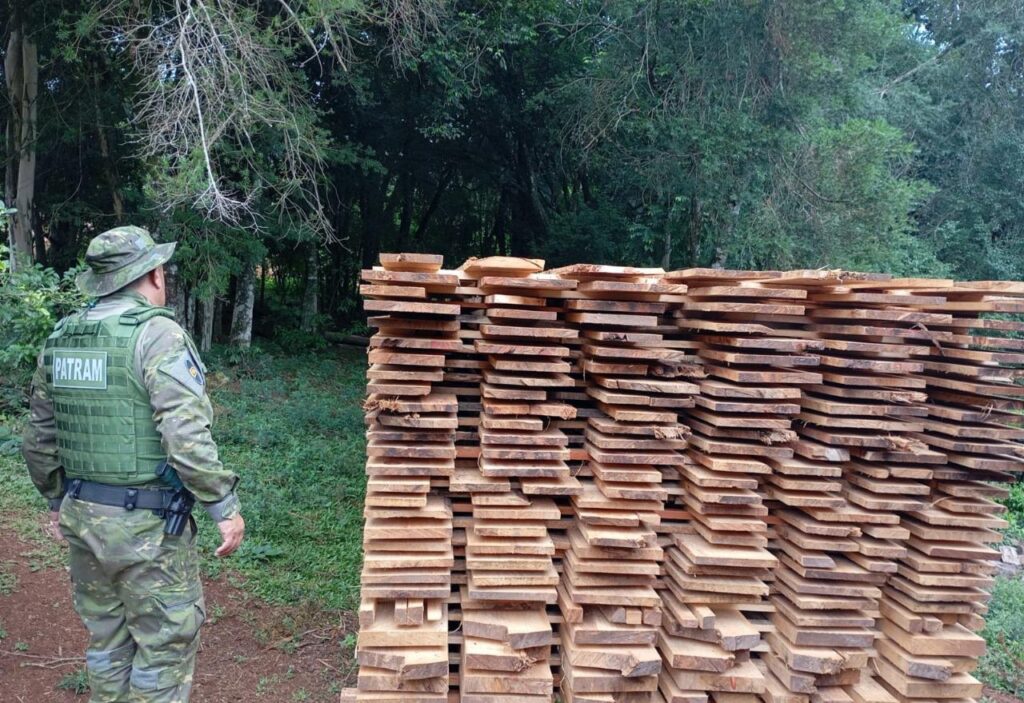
(250, 651)
(991, 695)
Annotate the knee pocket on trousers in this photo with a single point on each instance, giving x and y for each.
(168, 663)
(166, 633)
(101, 662)
(156, 679)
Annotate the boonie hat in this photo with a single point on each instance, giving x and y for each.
(119, 256)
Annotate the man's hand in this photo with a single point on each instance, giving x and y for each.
(53, 527)
(232, 531)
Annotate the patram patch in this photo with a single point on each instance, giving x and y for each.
(74, 368)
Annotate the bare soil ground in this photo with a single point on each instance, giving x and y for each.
(250, 651)
(993, 696)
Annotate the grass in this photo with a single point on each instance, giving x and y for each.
(1002, 666)
(8, 579)
(1014, 514)
(291, 426)
(77, 682)
(21, 506)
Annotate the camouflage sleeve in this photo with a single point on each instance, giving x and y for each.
(39, 442)
(173, 374)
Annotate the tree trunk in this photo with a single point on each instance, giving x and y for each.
(333, 278)
(696, 214)
(12, 258)
(346, 264)
(190, 312)
(588, 197)
(405, 220)
(40, 240)
(435, 201)
(109, 165)
(375, 210)
(218, 318)
(10, 162)
(10, 173)
(666, 254)
(281, 284)
(263, 284)
(206, 338)
(21, 67)
(309, 296)
(175, 298)
(241, 316)
(498, 229)
(529, 223)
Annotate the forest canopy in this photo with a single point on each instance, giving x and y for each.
(288, 142)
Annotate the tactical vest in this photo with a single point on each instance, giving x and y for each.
(105, 427)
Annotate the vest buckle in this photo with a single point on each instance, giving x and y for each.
(131, 495)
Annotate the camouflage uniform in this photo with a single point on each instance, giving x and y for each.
(136, 589)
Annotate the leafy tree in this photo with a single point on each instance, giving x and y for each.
(959, 95)
(286, 144)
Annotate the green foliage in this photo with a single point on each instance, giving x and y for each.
(299, 340)
(754, 139)
(873, 135)
(8, 579)
(586, 229)
(32, 299)
(10, 443)
(1002, 666)
(77, 682)
(1015, 514)
(963, 108)
(842, 204)
(253, 362)
(292, 428)
(20, 504)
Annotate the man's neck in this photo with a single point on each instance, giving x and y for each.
(130, 293)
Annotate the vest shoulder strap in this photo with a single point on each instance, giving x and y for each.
(136, 316)
(69, 324)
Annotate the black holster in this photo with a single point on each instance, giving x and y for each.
(178, 511)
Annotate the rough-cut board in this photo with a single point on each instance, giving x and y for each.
(614, 484)
(408, 537)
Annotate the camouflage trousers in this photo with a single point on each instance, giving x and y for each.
(139, 595)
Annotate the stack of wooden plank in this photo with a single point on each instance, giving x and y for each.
(676, 487)
(937, 598)
(407, 540)
(522, 463)
(839, 501)
(463, 373)
(741, 427)
(635, 389)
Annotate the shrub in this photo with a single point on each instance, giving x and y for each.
(1002, 666)
(77, 682)
(32, 300)
(1014, 514)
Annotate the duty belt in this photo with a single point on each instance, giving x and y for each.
(125, 497)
